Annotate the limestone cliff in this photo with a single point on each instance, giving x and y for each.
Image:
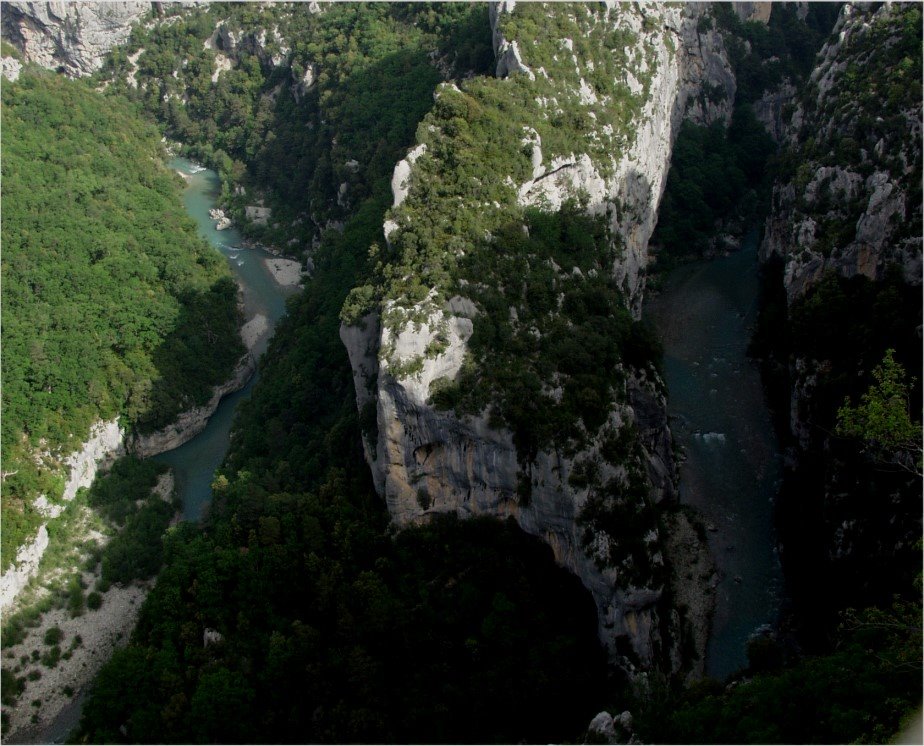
(104, 444)
(108, 441)
(850, 200)
(626, 77)
(843, 245)
(679, 58)
(70, 36)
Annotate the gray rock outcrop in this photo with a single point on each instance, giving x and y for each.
(104, 444)
(753, 11)
(400, 180)
(302, 83)
(11, 67)
(769, 110)
(23, 568)
(258, 214)
(612, 730)
(849, 207)
(71, 36)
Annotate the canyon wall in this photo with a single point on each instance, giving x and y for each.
(426, 460)
(69, 36)
(850, 202)
(108, 441)
(842, 248)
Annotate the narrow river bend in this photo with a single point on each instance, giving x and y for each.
(704, 316)
(194, 463)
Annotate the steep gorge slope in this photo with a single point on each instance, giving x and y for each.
(848, 199)
(843, 257)
(113, 306)
(841, 286)
(500, 358)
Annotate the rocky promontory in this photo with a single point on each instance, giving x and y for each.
(427, 459)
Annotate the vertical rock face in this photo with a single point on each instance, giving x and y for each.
(73, 36)
(104, 444)
(850, 202)
(769, 110)
(427, 460)
(847, 205)
(682, 59)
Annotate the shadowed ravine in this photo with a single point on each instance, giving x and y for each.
(704, 316)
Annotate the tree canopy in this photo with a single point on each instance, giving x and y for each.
(882, 419)
(112, 304)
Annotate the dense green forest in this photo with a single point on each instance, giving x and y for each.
(112, 305)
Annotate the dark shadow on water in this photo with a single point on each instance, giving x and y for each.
(732, 471)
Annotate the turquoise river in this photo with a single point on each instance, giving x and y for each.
(194, 463)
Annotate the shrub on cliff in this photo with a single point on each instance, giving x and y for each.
(882, 419)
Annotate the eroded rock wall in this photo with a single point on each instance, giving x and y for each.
(71, 36)
(683, 58)
(845, 230)
(427, 461)
(104, 444)
(107, 442)
(850, 202)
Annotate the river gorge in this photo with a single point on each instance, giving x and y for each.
(263, 296)
(194, 462)
(575, 419)
(732, 468)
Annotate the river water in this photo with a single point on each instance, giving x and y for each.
(194, 463)
(704, 316)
